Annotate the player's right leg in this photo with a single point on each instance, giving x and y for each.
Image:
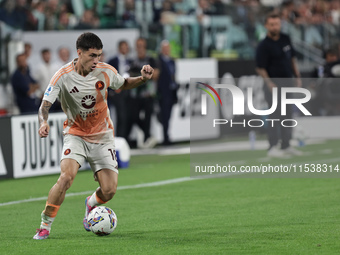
(56, 196)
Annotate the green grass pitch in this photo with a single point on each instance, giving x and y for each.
(196, 216)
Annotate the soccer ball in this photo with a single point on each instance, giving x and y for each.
(102, 220)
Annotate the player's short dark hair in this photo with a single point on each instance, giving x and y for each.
(272, 15)
(88, 41)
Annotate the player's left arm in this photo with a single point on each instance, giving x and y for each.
(296, 72)
(133, 82)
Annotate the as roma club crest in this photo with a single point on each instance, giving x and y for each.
(68, 151)
(100, 85)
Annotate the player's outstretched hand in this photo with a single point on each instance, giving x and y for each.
(147, 72)
(44, 130)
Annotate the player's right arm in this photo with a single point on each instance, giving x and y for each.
(263, 73)
(51, 94)
(43, 116)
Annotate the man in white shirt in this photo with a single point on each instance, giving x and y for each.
(64, 56)
(44, 71)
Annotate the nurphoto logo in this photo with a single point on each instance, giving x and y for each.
(239, 103)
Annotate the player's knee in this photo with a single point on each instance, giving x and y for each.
(109, 192)
(65, 181)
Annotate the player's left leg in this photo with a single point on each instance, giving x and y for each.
(103, 161)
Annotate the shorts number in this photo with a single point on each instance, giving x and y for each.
(113, 154)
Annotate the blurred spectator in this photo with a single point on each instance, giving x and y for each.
(184, 6)
(64, 56)
(166, 88)
(142, 98)
(44, 71)
(218, 7)
(167, 6)
(108, 17)
(51, 14)
(88, 21)
(331, 59)
(335, 12)
(289, 12)
(24, 87)
(319, 10)
(38, 12)
(28, 53)
(13, 15)
(121, 61)
(129, 15)
(30, 21)
(203, 8)
(326, 90)
(28, 50)
(119, 98)
(304, 12)
(63, 21)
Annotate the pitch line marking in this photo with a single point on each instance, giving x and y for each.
(136, 186)
(149, 184)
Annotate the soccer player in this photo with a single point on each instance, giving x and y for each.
(81, 86)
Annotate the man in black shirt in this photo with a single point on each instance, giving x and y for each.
(275, 62)
(141, 102)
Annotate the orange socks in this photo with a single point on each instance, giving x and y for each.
(48, 215)
(51, 210)
(94, 200)
(99, 200)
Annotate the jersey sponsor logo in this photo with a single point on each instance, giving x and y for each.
(67, 151)
(100, 85)
(48, 90)
(87, 114)
(88, 101)
(74, 90)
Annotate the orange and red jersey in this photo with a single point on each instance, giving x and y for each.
(84, 100)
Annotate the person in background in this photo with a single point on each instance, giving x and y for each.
(28, 53)
(166, 88)
(326, 89)
(325, 71)
(141, 103)
(276, 64)
(24, 87)
(119, 98)
(64, 56)
(28, 49)
(44, 71)
(88, 21)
